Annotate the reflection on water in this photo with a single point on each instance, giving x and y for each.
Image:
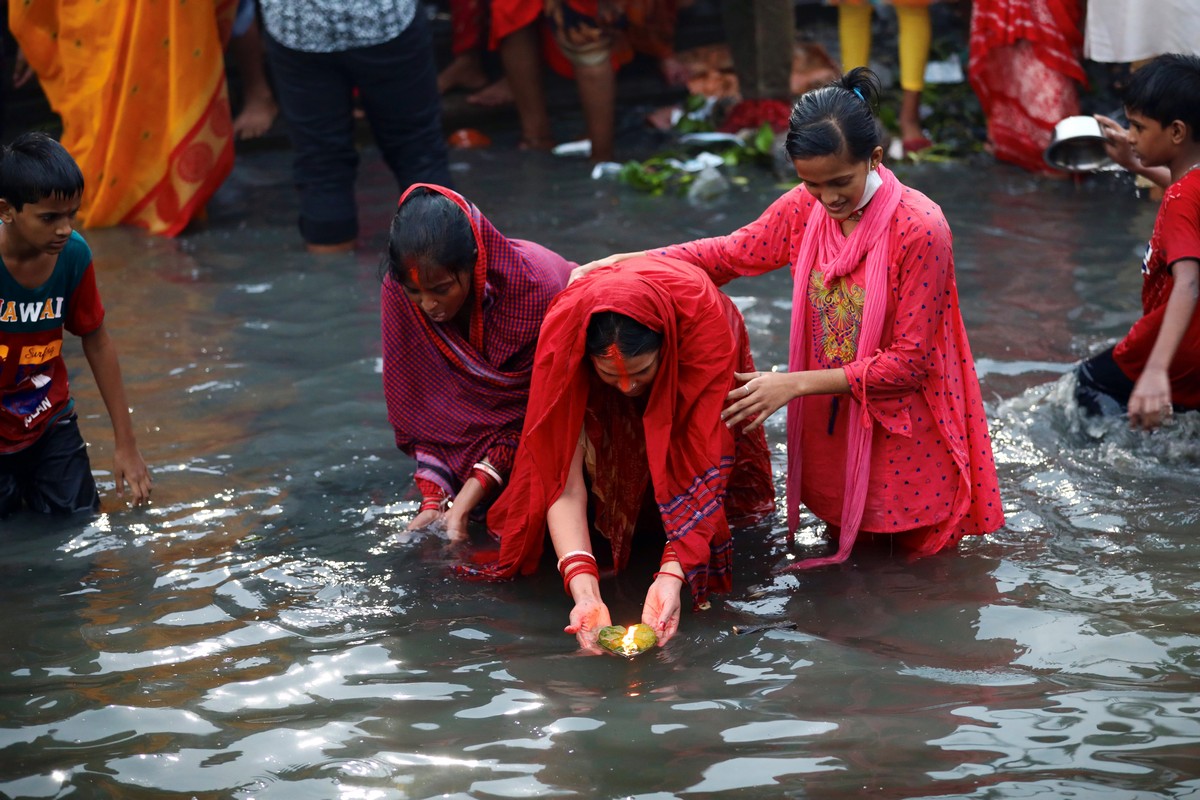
(266, 629)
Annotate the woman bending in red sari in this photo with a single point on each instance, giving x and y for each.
(886, 428)
(461, 307)
(630, 378)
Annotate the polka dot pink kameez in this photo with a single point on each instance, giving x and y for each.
(931, 477)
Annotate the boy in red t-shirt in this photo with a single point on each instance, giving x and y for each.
(47, 284)
(1156, 367)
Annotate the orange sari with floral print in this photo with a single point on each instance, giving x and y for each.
(140, 87)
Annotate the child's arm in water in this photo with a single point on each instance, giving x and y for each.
(128, 465)
(1150, 402)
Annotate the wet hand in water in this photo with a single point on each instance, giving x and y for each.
(760, 395)
(587, 618)
(424, 519)
(1150, 402)
(661, 609)
(128, 467)
(456, 527)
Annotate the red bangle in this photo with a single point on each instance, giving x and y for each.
(668, 556)
(486, 480)
(576, 558)
(670, 575)
(581, 567)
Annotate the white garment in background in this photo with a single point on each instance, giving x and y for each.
(1117, 31)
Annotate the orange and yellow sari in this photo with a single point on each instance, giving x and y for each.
(141, 91)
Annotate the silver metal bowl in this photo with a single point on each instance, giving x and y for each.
(1078, 146)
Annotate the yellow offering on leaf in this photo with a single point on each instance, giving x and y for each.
(629, 641)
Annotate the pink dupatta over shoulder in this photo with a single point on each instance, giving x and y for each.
(837, 255)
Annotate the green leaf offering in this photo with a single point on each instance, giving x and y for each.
(627, 642)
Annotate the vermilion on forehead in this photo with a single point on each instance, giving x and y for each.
(436, 276)
(414, 277)
(618, 362)
(413, 267)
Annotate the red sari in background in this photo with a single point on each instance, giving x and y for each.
(140, 87)
(926, 473)
(673, 442)
(455, 401)
(1025, 67)
(644, 26)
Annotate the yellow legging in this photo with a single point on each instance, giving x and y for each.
(854, 33)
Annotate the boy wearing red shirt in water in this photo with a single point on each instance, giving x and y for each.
(47, 285)
(1156, 367)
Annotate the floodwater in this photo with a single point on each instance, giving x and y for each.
(266, 629)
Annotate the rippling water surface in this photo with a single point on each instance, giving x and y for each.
(266, 629)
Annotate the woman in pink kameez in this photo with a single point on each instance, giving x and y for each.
(886, 427)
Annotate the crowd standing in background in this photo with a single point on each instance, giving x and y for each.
(155, 143)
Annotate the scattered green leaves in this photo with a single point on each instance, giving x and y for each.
(655, 175)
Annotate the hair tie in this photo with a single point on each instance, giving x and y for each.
(858, 92)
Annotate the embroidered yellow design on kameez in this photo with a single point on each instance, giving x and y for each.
(837, 317)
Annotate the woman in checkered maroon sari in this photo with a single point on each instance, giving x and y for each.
(461, 307)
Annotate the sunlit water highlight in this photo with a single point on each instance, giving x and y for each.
(268, 630)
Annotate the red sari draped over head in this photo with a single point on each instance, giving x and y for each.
(1024, 65)
(678, 445)
(140, 87)
(455, 401)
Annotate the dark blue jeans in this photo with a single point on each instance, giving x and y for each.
(52, 475)
(397, 86)
(1101, 388)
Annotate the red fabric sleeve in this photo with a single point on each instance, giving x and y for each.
(85, 313)
(430, 491)
(763, 245)
(885, 382)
